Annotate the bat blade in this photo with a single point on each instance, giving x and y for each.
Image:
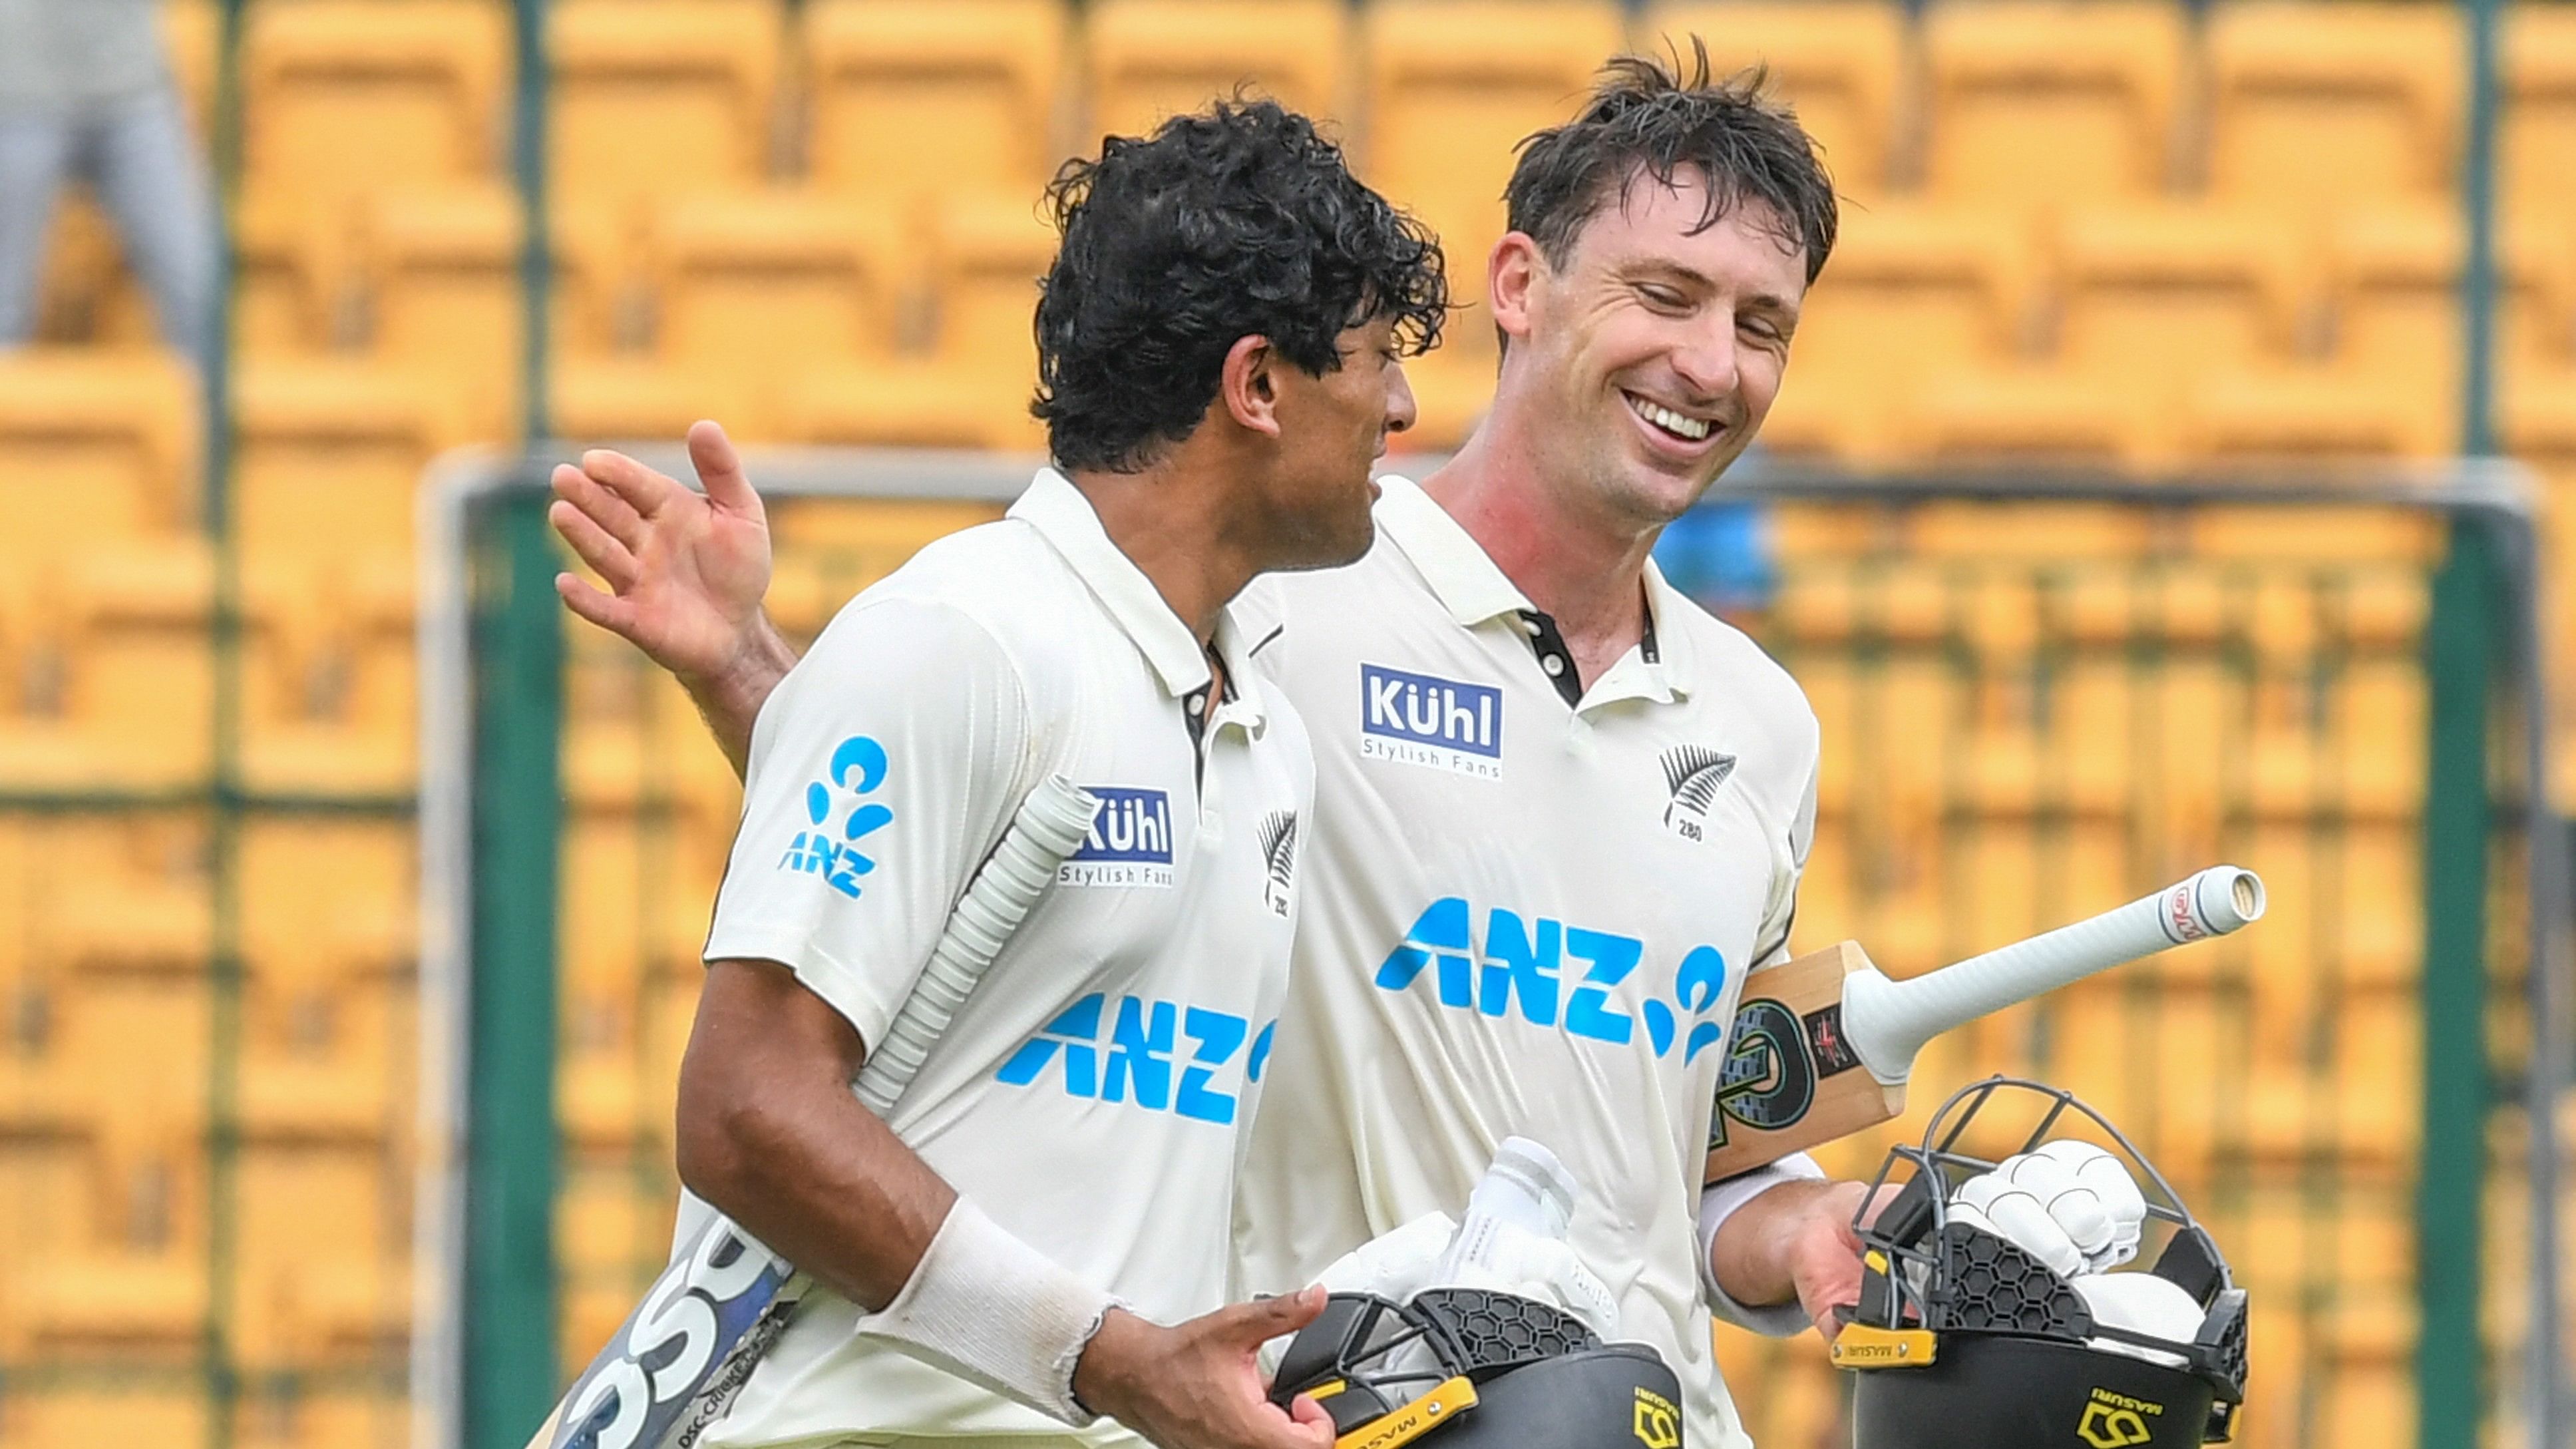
(1791, 1078)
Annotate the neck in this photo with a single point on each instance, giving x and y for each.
(1167, 520)
(1582, 566)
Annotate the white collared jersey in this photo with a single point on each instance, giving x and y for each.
(1528, 915)
(1093, 1093)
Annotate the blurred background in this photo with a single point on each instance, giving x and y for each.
(2165, 474)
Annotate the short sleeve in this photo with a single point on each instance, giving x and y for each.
(882, 770)
(1772, 944)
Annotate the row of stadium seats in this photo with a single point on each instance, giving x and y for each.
(2303, 106)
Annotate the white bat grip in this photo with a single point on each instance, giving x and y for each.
(1886, 1021)
(1050, 823)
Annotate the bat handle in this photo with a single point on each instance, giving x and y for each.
(1886, 1022)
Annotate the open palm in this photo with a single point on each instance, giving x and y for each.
(685, 571)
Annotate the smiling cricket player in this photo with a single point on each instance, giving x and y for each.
(998, 1255)
(1561, 810)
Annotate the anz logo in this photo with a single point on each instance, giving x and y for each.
(1145, 1062)
(1415, 719)
(837, 818)
(1550, 974)
(1130, 843)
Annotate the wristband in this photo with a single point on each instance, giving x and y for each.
(996, 1312)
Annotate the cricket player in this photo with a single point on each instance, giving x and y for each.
(1561, 810)
(1219, 345)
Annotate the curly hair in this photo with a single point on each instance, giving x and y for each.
(1237, 221)
(1646, 118)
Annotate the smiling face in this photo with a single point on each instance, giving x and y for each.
(1645, 365)
(1331, 429)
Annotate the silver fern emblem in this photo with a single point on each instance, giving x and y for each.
(1278, 836)
(1693, 773)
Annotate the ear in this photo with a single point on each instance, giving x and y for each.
(1513, 275)
(1247, 386)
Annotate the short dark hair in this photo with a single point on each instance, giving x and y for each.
(1237, 221)
(1646, 119)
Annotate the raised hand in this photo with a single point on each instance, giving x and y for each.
(685, 573)
(1197, 1385)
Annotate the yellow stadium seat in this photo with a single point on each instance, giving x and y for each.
(2028, 415)
(322, 1256)
(345, 98)
(329, 701)
(1839, 63)
(326, 902)
(141, 687)
(330, 457)
(2320, 107)
(974, 389)
(654, 98)
(448, 298)
(86, 297)
(95, 446)
(2537, 136)
(2305, 417)
(982, 76)
(632, 400)
(2396, 278)
(1909, 293)
(1450, 88)
(1150, 59)
(2156, 295)
(293, 280)
(2040, 104)
(759, 288)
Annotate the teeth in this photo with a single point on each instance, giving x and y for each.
(1670, 421)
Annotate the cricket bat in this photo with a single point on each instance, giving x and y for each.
(1822, 1044)
(675, 1364)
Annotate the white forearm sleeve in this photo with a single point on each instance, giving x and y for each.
(1717, 1202)
(991, 1309)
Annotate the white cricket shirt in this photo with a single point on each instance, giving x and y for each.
(1529, 913)
(1093, 1093)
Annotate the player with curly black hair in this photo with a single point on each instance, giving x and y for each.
(999, 1255)
(1562, 811)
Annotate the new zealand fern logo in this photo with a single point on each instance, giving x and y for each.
(1279, 856)
(1693, 773)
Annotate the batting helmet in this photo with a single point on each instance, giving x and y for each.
(1483, 1370)
(1960, 1337)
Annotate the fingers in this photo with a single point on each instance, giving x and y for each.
(1250, 1325)
(646, 491)
(615, 516)
(607, 611)
(607, 557)
(1304, 1410)
(719, 468)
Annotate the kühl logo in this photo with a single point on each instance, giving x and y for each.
(1130, 843)
(1415, 719)
(1142, 1052)
(1523, 966)
(857, 767)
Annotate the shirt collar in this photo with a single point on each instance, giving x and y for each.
(1466, 580)
(1067, 521)
(1473, 588)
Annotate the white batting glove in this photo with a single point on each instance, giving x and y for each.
(2079, 1218)
(1531, 1265)
(2140, 1303)
(1395, 1264)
